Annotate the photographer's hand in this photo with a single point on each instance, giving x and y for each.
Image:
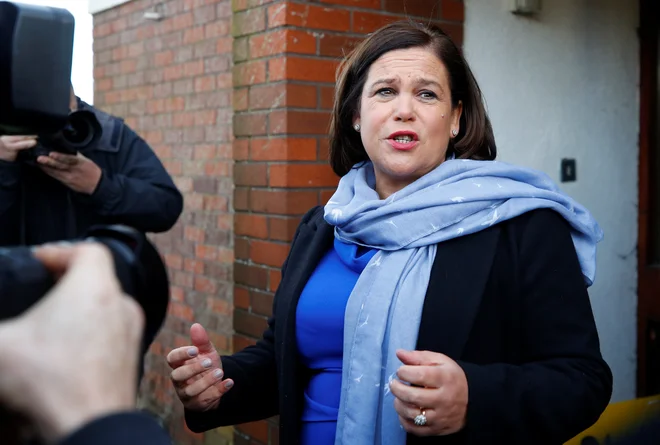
(59, 365)
(10, 146)
(78, 172)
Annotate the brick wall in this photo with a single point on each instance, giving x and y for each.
(172, 81)
(285, 57)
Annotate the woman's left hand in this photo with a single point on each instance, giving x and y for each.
(441, 393)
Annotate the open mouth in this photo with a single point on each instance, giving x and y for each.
(403, 140)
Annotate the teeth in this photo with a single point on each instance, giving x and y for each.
(403, 138)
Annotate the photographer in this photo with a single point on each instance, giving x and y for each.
(69, 363)
(117, 180)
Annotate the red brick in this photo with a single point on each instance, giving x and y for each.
(373, 4)
(175, 261)
(181, 311)
(249, 22)
(301, 175)
(308, 16)
(298, 122)
(205, 83)
(283, 149)
(337, 45)
(204, 284)
(282, 95)
(425, 9)
(193, 35)
(261, 303)
(164, 58)
(282, 229)
(240, 99)
(367, 22)
(255, 226)
(219, 306)
(453, 10)
(268, 253)
(216, 29)
(298, 68)
(194, 266)
(274, 278)
(282, 41)
(250, 73)
(240, 149)
(241, 248)
(250, 124)
(326, 195)
(225, 222)
(279, 202)
(241, 297)
(241, 198)
(250, 174)
(241, 342)
(249, 324)
(327, 98)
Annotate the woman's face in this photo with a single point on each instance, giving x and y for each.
(406, 117)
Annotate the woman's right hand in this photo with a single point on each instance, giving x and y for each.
(11, 145)
(197, 372)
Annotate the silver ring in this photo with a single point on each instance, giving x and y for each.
(420, 419)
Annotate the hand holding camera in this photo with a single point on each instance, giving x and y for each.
(11, 146)
(36, 366)
(77, 172)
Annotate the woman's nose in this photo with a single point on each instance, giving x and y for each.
(404, 108)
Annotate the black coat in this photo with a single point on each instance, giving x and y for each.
(135, 190)
(125, 428)
(509, 304)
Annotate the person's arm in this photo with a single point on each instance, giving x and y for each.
(127, 428)
(562, 385)
(10, 187)
(255, 393)
(142, 194)
(10, 175)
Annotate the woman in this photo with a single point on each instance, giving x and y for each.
(439, 297)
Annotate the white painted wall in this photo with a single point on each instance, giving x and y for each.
(95, 6)
(564, 84)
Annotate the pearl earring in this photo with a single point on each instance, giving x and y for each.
(454, 132)
(357, 127)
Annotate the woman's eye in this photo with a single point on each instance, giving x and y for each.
(386, 92)
(428, 95)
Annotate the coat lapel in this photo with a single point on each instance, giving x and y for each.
(458, 279)
(313, 241)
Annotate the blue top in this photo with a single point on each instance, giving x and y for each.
(320, 336)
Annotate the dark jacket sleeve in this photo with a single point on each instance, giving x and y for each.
(141, 193)
(562, 385)
(255, 392)
(130, 428)
(10, 175)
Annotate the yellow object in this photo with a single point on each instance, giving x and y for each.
(618, 419)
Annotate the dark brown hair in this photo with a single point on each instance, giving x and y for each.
(475, 139)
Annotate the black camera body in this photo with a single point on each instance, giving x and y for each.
(138, 267)
(81, 131)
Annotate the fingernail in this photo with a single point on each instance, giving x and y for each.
(218, 373)
(192, 352)
(206, 363)
(229, 384)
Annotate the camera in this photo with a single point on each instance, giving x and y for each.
(81, 131)
(138, 266)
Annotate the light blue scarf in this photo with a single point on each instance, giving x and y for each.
(384, 309)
